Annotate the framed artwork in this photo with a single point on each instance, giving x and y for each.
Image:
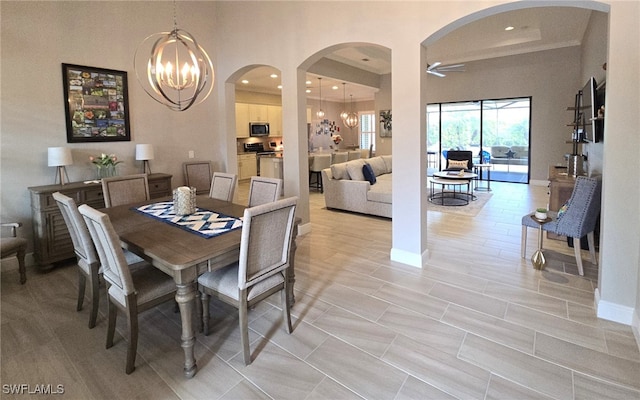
(385, 123)
(96, 104)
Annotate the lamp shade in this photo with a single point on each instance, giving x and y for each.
(59, 156)
(144, 152)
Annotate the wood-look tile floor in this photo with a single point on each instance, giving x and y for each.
(476, 323)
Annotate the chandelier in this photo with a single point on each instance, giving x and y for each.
(344, 114)
(320, 113)
(178, 72)
(352, 118)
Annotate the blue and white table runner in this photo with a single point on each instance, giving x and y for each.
(203, 222)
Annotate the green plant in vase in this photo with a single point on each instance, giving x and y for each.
(105, 164)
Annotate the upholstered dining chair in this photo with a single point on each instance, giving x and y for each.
(88, 262)
(459, 159)
(198, 174)
(14, 246)
(353, 155)
(261, 270)
(118, 190)
(320, 162)
(340, 157)
(223, 186)
(132, 289)
(264, 190)
(579, 219)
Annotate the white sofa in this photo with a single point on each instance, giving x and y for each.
(346, 188)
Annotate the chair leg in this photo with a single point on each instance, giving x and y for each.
(22, 268)
(286, 312)
(95, 297)
(592, 247)
(204, 298)
(523, 241)
(132, 317)
(576, 250)
(111, 325)
(244, 328)
(82, 282)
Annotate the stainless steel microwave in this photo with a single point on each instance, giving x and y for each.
(258, 129)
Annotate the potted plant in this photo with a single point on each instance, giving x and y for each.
(541, 213)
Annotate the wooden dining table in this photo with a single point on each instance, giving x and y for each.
(183, 255)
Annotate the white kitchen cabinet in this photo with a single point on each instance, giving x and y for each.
(247, 166)
(242, 120)
(275, 120)
(258, 113)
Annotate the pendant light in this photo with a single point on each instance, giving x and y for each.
(352, 118)
(320, 113)
(344, 114)
(178, 72)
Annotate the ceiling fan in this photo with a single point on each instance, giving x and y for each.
(439, 70)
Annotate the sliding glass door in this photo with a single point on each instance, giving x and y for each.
(496, 132)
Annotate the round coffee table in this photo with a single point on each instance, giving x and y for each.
(453, 176)
(453, 197)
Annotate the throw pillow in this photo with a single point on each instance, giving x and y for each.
(354, 168)
(387, 162)
(368, 173)
(463, 164)
(339, 171)
(377, 164)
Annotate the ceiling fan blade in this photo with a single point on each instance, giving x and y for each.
(436, 73)
(451, 67)
(432, 66)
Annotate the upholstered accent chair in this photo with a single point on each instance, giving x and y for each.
(198, 174)
(14, 246)
(264, 190)
(119, 190)
(579, 219)
(459, 159)
(319, 162)
(223, 186)
(132, 289)
(267, 234)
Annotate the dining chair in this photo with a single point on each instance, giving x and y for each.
(340, 157)
(267, 234)
(223, 186)
(118, 190)
(579, 219)
(320, 162)
(14, 246)
(88, 262)
(264, 190)
(198, 174)
(132, 289)
(353, 155)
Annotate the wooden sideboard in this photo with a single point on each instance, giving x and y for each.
(52, 242)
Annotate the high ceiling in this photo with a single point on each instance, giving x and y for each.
(534, 29)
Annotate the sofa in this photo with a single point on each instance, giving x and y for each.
(347, 187)
(513, 155)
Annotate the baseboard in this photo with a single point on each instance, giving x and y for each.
(303, 229)
(538, 183)
(614, 312)
(412, 259)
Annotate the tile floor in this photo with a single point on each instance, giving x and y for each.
(476, 323)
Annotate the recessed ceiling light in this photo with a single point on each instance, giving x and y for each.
(334, 87)
(366, 60)
(308, 82)
(509, 28)
(308, 90)
(245, 81)
(280, 87)
(274, 75)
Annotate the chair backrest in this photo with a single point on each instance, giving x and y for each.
(118, 190)
(583, 208)
(198, 174)
(223, 186)
(460, 155)
(82, 243)
(114, 264)
(264, 190)
(353, 155)
(320, 162)
(337, 158)
(266, 239)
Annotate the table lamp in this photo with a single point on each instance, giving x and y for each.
(144, 152)
(60, 157)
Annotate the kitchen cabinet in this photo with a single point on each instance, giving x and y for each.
(275, 120)
(258, 113)
(247, 166)
(242, 120)
(52, 242)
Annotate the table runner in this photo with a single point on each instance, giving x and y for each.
(205, 223)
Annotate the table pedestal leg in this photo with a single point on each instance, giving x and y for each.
(537, 259)
(185, 297)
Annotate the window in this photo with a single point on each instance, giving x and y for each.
(367, 128)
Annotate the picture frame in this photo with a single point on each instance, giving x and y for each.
(96, 104)
(385, 123)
